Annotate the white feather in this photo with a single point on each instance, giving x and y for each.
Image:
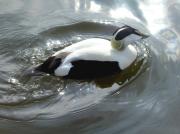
(95, 49)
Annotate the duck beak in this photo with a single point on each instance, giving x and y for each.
(137, 32)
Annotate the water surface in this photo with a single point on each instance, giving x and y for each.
(30, 31)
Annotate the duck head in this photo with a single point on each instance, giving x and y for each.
(121, 33)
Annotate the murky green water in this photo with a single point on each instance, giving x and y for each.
(30, 31)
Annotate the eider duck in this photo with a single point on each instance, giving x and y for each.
(93, 58)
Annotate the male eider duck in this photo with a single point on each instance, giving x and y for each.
(93, 58)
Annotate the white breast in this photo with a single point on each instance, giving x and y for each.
(95, 49)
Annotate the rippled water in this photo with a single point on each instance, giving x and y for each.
(32, 30)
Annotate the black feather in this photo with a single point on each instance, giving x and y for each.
(126, 31)
(49, 65)
(91, 69)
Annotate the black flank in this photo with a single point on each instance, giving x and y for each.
(91, 69)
